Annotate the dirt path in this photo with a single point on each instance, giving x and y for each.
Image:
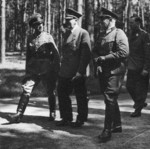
(36, 132)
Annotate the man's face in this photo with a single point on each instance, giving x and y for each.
(133, 24)
(70, 23)
(105, 23)
(39, 27)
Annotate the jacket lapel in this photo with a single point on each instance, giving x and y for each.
(74, 35)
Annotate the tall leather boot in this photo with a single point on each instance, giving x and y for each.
(52, 105)
(16, 118)
(109, 117)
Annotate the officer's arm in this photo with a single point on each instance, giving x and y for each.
(85, 49)
(122, 47)
(55, 55)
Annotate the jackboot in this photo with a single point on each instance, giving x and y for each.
(16, 118)
(52, 106)
(104, 136)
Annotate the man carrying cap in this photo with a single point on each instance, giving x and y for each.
(42, 64)
(76, 56)
(110, 53)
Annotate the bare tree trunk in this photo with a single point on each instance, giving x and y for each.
(89, 21)
(3, 31)
(79, 8)
(16, 25)
(49, 15)
(126, 16)
(45, 17)
(142, 12)
(38, 5)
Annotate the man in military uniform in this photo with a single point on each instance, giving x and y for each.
(76, 56)
(138, 65)
(110, 53)
(42, 64)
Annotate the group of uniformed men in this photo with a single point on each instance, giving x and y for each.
(110, 55)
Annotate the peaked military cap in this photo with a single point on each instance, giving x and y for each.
(72, 14)
(35, 19)
(107, 14)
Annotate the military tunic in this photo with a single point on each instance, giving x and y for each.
(42, 62)
(139, 60)
(114, 46)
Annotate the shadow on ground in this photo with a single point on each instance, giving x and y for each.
(36, 132)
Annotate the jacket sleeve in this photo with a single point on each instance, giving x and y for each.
(122, 46)
(146, 43)
(56, 56)
(85, 52)
(28, 51)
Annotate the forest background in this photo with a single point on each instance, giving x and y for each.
(14, 30)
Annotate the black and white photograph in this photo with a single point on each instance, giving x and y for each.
(74, 74)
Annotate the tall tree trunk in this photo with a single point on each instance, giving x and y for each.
(45, 17)
(49, 15)
(126, 16)
(38, 5)
(142, 12)
(23, 31)
(3, 31)
(79, 8)
(89, 21)
(16, 24)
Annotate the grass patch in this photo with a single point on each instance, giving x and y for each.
(10, 84)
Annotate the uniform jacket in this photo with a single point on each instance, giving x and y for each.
(139, 57)
(114, 46)
(76, 53)
(42, 54)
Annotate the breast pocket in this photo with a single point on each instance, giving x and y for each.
(112, 45)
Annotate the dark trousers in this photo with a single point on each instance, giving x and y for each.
(110, 87)
(137, 86)
(65, 88)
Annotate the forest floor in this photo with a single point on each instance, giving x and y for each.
(36, 132)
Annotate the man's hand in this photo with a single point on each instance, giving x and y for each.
(99, 59)
(78, 75)
(144, 73)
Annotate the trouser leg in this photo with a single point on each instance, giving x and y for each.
(109, 112)
(131, 84)
(81, 96)
(64, 89)
(27, 86)
(111, 87)
(49, 81)
(137, 86)
(52, 103)
(117, 117)
(141, 92)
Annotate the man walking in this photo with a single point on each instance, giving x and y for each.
(138, 65)
(42, 64)
(76, 56)
(110, 53)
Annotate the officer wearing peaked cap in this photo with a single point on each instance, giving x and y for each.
(110, 53)
(76, 56)
(42, 64)
(108, 14)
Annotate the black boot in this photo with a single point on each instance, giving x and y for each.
(52, 105)
(16, 118)
(104, 136)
